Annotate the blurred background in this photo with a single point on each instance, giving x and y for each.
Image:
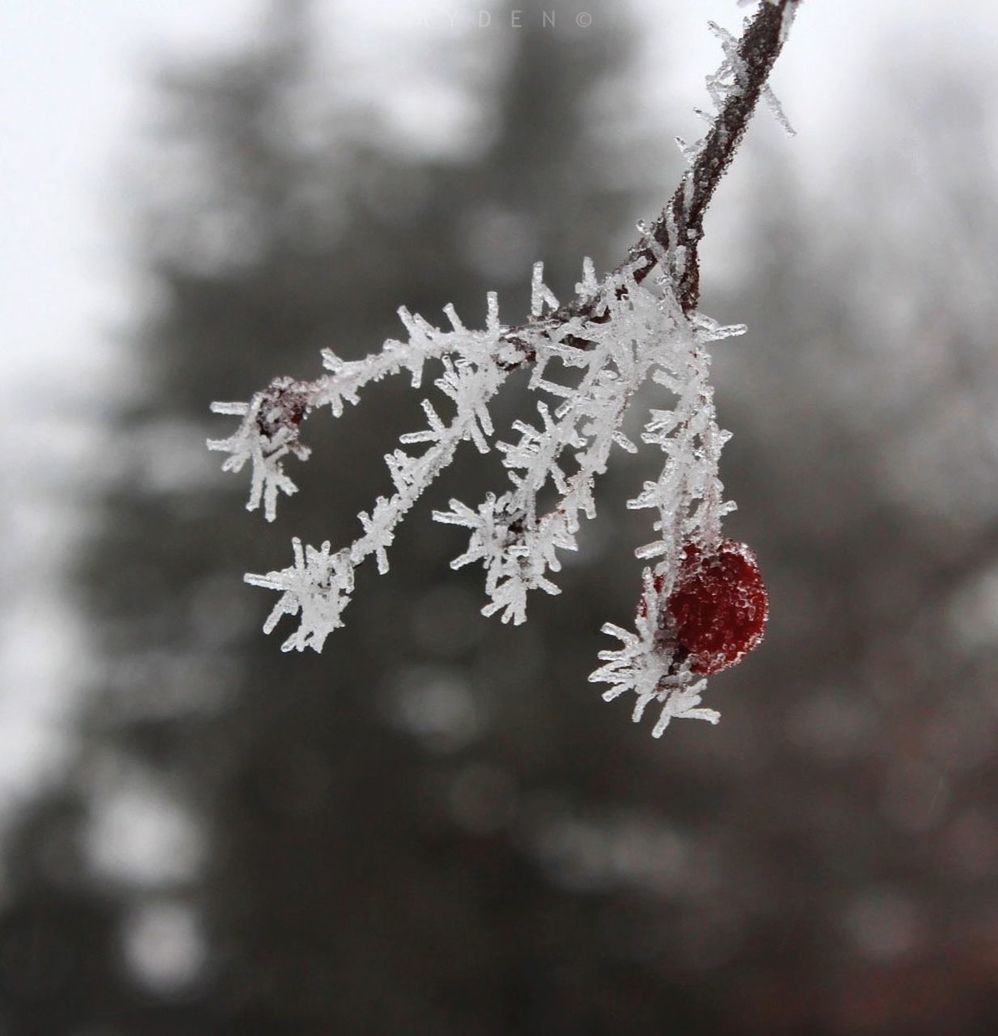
(437, 826)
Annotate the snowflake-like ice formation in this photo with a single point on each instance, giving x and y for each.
(587, 370)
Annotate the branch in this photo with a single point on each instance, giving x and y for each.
(678, 230)
(616, 335)
(272, 420)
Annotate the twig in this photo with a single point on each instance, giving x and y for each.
(757, 51)
(674, 236)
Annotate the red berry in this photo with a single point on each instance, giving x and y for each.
(718, 606)
(717, 610)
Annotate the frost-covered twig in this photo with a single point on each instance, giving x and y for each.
(318, 586)
(638, 333)
(735, 89)
(271, 421)
(616, 334)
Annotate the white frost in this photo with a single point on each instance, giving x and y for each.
(586, 371)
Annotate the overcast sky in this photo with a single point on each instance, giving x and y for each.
(70, 96)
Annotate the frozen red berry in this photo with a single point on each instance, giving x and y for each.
(717, 609)
(718, 606)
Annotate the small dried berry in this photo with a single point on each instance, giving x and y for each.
(283, 408)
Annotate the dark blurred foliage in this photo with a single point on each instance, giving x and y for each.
(436, 826)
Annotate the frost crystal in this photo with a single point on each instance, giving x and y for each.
(586, 371)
